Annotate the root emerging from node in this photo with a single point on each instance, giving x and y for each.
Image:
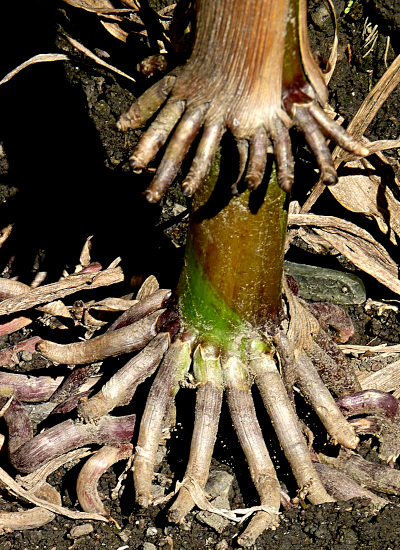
(250, 77)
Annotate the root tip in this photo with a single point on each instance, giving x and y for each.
(152, 196)
(329, 178)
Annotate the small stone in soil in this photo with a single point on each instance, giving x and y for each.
(219, 487)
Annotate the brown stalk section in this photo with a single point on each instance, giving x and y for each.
(239, 249)
(240, 33)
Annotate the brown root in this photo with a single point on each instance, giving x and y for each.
(116, 342)
(147, 105)
(257, 159)
(161, 397)
(383, 419)
(70, 435)
(317, 143)
(157, 134)
(119, 390)
(318, 395)
(249, 433)
(149, 304)
(29, 388)
(175, 152)
(208, 375)
(29, 519)
(373, 476)
(94, 468)
(203, 158)
(287, 427)
(342, 487)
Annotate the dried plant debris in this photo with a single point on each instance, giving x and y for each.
(325, 233)
(111, 17)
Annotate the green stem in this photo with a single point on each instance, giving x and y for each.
(231, 279)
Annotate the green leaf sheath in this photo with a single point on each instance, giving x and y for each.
(232, 271)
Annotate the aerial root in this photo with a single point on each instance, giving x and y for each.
(147, 104)
(173, 369)
(142, 308)
(208, 376)
(335, 132)
(321, 400)
(121, 387)
(283, 155)
(315, 139)
(253, 144)
(175, 152)
(333, 366)
(109, 344)
(156, 135)
(74, 386)
(257, 159)
(372, 475)
(35, 517)
(243, 153)
(19, 425)
(69, 435)
(383, 419)
(202, 161)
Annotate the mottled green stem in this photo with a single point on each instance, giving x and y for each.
(232, 271)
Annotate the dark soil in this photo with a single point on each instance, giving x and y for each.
(64, 175)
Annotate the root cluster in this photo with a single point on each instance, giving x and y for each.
(276, 364)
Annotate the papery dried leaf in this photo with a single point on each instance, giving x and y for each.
(362, 190)
(14, 488)
(334, 50)
(365, 114)
(14, 325)
(65, 287)
(57, 309)
(99, 6)
(115, 262)
(84, 257)
(5, 233)
(113, 304)
(40, 58)
(95, 58)
(115, 30)
(149, 286)
(387, 379)
(302, 323)
(356, 244)
(131, 4)
(356, 349)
